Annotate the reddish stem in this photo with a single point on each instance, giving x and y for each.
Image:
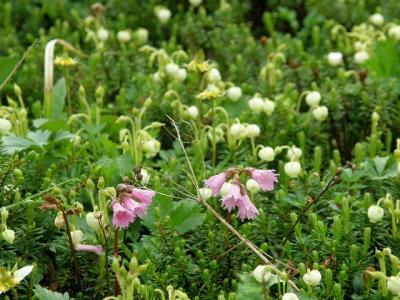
(116, 285)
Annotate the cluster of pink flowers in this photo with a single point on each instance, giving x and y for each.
(131, 203)
(237, 195)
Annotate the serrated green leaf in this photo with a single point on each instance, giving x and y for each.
(115, 168)
(39, 137)
(44, 294)
(13, 143)
(187, 216)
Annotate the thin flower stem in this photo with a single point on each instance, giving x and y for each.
(116, 285)
(72, 248)
(334, 180)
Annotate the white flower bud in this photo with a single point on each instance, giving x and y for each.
(205, 193)
(266, 154)
(142, 35)
(195, 3)
(92, 221)
(290, 296)
(5, 126)
(320, 113)
(77, 237)
(145, 177)
(252, 186)
(8, 235)
(225, 189)
(359, 46)
(393, 284)
(172, 69)
(361, 57)
(234, 93)
(102, 34)
(156, 77)
(377, 19)
(256, 104)
(163, 15)
(252, 131)
(313, 98)
(292, 169)
(151, 147)
(375, 213)
(124, 36)
(193, 112)
(394, 32)
(335, 58)
(294, 153)
(181, 75)
(262, 274)
(237, 130)
(4, 214)
(214, 75)
(268, 106)
(312, 278)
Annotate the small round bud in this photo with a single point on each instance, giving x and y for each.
(193, 112)
(8, 235)
(5, 126)
(256, 104)
(163, 14)
(237, 130)
(234, 93)
(292, 169)
(92, 221)
(4, 214)
(312, 278)
(59, 220)
(266, 154)
(225, 189)
(214, 75)
(124, 36)
(145, 177)
(320, 113)
(393, 284)
(252, 131)
(195, 3)
(181, 75)
(294, 153)
(172, 69)
(335, 59)
(268, 106)
(313, 98)
(361, 57)
(205, 193)
(290, 296)
(252, 186)
(394, 32)
(77, 237)
(375, 213)
(377, 19)
(102, 34)
(262, 274)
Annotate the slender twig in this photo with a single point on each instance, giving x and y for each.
(106, 255)
(334, 180)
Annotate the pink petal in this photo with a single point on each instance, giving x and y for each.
(229, 201)
(215, 183)
(265, 178)
(90, 248)
(142, 195)
(122, 217)
(247, 210)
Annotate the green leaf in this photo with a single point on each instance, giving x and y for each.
(13, 143)
(187, 216)
(44, 294)
(39, 137)
(7, 64)
(115, 168)
(164, 204)
(59, 93)
(249, 288)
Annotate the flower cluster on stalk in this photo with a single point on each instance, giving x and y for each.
(235, 194)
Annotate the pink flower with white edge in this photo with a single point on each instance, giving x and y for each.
(229, 201)
(89, 248)
(142, 195)
(215, 183)
(265, 178)
(247, 210)
(122, 216)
